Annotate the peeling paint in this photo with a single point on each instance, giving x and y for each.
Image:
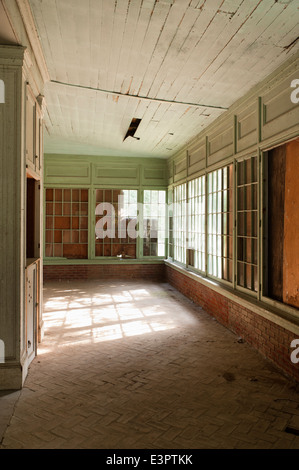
(120, 46)
(289, 46)
(230, 13)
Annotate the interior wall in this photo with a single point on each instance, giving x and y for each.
(263, 119)
(291, 227)
(76, 182)
(152, 272)
(272, 339)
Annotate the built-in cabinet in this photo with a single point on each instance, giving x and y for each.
(34, 133)
(34, 155)
(21, 163)
(32, 307)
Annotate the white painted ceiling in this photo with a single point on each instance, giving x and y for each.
(175, 64)
(7, 36)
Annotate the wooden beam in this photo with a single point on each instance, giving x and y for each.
(146, 98)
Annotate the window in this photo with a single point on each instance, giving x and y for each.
(170, 223)
(196, 224)
(66, 232)
(247, 221)
(179, 223)
(116, 223)
(154, 214)
(220, 223)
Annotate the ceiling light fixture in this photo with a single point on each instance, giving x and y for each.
(133, 128)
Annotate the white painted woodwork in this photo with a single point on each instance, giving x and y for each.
(31, 311)
(208, 52)
(30, 128)
(12, 316)
(20, 137)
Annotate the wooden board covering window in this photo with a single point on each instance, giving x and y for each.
(276, 192)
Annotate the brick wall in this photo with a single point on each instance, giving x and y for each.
(155, 272)
(270, 339)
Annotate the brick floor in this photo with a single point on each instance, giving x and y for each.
(136, 365)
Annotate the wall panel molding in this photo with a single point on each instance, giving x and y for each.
(104, 171)
(264, 117)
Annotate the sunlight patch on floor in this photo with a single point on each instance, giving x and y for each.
(83, 317)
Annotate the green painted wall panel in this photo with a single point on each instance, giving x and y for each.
(100, 171)
(264, 117)
(67, 173)
(117, 175)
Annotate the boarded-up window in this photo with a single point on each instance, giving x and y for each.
(66, 231)
(281, 224)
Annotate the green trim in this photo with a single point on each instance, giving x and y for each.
(105, 172)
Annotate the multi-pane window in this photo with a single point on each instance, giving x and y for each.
(170, 223)
(154, 215)
(196, 223)
(66, 231)
(116, 226)
(200, 223)
(247, 222)
(179, 223)
(220, 223)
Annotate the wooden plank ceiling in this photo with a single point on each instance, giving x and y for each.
(7, 35)
(174, 64)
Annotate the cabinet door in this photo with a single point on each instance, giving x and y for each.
(31, 310)
(38, 140)
(30, 128)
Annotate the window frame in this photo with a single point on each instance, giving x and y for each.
(183, 216)
(165, 226)
(238, 287)
(202, 195)
(221, 235)
(233, 283)
(63, 188)
(125, 242)
(91, 257)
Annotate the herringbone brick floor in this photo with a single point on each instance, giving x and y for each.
(131, 365)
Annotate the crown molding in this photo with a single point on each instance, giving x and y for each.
(12, 55)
